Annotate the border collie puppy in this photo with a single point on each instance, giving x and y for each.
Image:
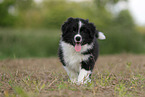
(78, 49)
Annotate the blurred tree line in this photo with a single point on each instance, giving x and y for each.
(52, 13)
(122, 33)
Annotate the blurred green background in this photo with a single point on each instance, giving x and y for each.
(32, 29)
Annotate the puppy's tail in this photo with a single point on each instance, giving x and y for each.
(100, 35)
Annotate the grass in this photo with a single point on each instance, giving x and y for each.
(40, 77)
(18, 43)
(26, 43)
(29, 86)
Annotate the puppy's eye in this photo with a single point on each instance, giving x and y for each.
(74, 28)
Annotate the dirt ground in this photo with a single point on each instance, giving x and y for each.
(113, 76)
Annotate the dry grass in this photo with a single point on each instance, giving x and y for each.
(113, 76)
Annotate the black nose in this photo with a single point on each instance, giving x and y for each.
(78, 38)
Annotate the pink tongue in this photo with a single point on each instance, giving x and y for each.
(78, 47)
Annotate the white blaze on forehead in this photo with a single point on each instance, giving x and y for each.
(80, 25)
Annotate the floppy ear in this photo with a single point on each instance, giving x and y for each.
(87, 20)
(65, 25)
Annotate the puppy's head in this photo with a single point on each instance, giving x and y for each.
(78, 32)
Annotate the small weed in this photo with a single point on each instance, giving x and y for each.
(104, 80)
(10, 82)
(2, 77)
(120, 90)
(39, 85)
(1, 84)
(62, 85)
(20, 92)
(27, 82)
(128, 65)
(137, 80)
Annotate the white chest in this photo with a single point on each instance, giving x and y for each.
(71, 57)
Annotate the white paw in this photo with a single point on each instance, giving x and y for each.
(86, 81)
(83, 77)
(74, 80)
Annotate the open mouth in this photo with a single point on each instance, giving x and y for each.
(78, 40)
(78, 46)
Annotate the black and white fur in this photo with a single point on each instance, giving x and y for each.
(79, 64)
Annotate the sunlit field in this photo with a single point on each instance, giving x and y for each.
(113, 76)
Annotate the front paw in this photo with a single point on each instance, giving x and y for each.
(84, 81)
(83, 77)
(74, 80)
